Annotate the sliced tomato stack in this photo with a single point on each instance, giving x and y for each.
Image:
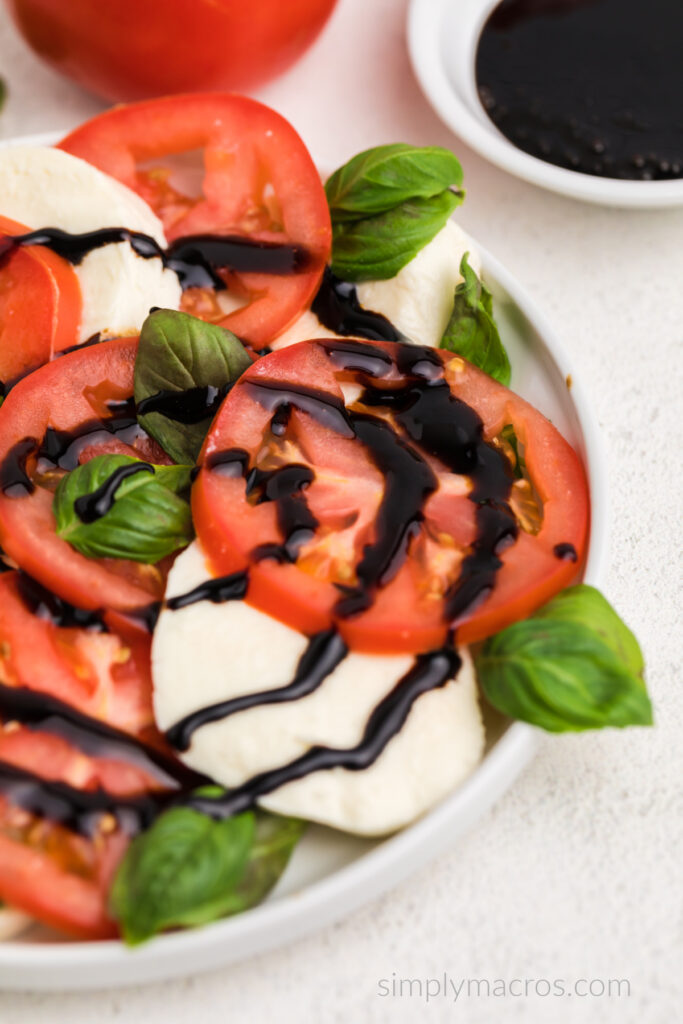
(40, 305)
(407, 610)
(259, 182)
(49, 870)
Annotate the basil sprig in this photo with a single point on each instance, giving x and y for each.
(574, 665)
(180, 353)
(386, 204)
(115, 506)
(188, 869)
(471, 331)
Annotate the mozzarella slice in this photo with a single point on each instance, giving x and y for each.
(205, 653)
(418, 300)
(43, 187)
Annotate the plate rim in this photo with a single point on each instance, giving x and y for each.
(38, 965)
(422, 32)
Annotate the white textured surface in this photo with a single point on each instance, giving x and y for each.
(577, 874)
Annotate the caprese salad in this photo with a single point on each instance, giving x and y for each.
(271, 519)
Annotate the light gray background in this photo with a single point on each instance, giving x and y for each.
(577, 873)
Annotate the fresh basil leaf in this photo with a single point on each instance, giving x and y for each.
(274, 841)
(573, 665)
(181, 872)
(376, 248)
(472, 331)
(179, 353)
(377, 180)
(115, 506)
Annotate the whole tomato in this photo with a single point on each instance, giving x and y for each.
(132, 49)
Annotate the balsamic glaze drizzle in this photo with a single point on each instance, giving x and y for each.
(324, 653)
(44, 604)
(193, 405)
(565, 552)
(41, 711)
(429, 672)
(217, 590)
(60, 449)
(14, 480)
(195, 259)
(80, 810)
(337, 307)
(91, 507)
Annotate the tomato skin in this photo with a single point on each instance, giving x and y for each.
(174, 45)
(40, 306)
(54, 874)
(64, 394)
(32, 881)
(259, 181)
(403, 617)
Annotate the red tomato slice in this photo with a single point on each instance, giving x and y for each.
(40, 305)
(417, 596)
(259, 181)
(104, 674)
(49, 871)
(69, 395)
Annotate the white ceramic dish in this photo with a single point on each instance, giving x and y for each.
(442, 41)
(332, 874)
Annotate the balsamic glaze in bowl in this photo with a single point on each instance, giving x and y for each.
(594, 86)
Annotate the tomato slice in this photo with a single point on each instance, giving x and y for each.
(40, 305)
(259, 181)
(394, 517)
(50, 872)
(102, 672)
(48, 869)
(81, 398)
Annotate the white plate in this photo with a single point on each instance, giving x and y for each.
(331, 874)
(442, 41)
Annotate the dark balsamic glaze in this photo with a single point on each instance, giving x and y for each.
(41, 711)
(324, 652)
(46, 605)
(433, 420)
(195, 259)
(337, 307)
(80, 810)
(429, 672)
(327, 409)
(284, 486)
(14, 480)
(590, 85)
(60, 449)
(217, 590)
(190, 406)
(409, 481)
(566, 552)
(91, 507)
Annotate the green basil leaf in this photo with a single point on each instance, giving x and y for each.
(376, 248)
(382, 178)
(274, 841)
(573, 665)
(180, 872)
(472, 331)
(138, 517)
(177, 353)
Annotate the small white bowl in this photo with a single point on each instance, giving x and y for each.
(442, 42)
